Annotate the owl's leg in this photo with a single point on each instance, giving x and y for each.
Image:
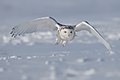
(64, 43)
(57, 41)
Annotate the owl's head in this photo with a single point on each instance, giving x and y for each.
(66, 33)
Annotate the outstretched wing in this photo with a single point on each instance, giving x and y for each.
(86, 26)
(34, 26)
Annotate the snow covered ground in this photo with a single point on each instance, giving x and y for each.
(36, 57)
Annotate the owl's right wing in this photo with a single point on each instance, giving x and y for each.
(86, 26)
(35, 25)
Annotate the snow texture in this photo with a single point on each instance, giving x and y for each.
(36, 57)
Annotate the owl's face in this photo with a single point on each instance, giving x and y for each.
(67, 34)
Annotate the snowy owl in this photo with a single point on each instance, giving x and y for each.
(64, 33)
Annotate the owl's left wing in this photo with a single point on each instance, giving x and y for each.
(35, 26)
(86, 26)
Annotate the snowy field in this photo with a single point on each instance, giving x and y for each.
(36, 57)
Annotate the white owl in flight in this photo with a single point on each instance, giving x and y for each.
(64, 33)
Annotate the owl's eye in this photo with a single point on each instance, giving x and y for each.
(65, 31)
(70, 31)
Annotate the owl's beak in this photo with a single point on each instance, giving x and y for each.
(68, 35)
